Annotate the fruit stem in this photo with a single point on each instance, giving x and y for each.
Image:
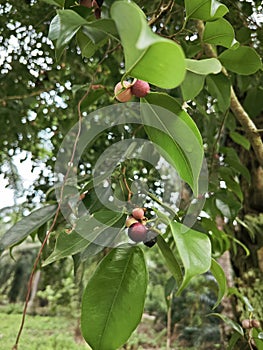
(165, 206)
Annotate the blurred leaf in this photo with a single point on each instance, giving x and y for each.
(253, 102)
(113, 300)
(194, 249)
(26, 226)
(233, 340)
(229, 322)
(240, 140)
(244, 60)
(205, 10)
(231, 158)
(59, 3)
(227, 203)
(220, 277)
(258, 338)
(228, 177)
(203, 67)
(142, 47)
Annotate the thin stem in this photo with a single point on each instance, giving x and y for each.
(37, 260)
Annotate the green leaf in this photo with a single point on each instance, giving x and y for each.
(67, 244)
(220, 32)
(192, 85)
(144, 50)
(26, 226)
(175, 134)
(219, 88)
(240, 140)
(203, 67)
(59, 3)
(233, 340)
(253, 102)
(220, 277)
(68, 25)
(219, 240)
(170, 260)
(228, 176)
(229, 322)
(258, 338)
(244, 60)
(113, 300)
(194, 249)
(227, 203)
(86, 45)
(96, 227)
(232, 159)
(205, 10)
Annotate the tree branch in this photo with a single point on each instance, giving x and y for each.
(241, 115)
(22, 97)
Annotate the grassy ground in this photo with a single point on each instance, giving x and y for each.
(40, 333)
(59, 333)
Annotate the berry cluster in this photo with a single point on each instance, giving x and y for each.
(137, 229)
(124, 91)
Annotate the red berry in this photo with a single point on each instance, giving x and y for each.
(138, 213)
(140, 88)
(255, 324)
(137, 232)
(123, 94)
(246, 324)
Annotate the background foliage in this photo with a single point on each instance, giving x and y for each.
(47, 66)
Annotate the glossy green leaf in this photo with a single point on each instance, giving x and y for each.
(220, 277)
(219, 88)
(91, 226)
(144, 50)
(86, 45)
(170, 259)
(192, 85)
(240, 140)
(203, 67)
(175, 134)
(194, 249)
(113, 300)
(205, 10)
(220, 32)
(67, 244)
(68, 25)
(229, 322)
(26, 226)
(244, 60)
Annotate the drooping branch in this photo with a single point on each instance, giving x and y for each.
(239, 112)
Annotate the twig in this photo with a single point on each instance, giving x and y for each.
(236, 107)
(160, 11)
(22, 97)
(29, 288)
